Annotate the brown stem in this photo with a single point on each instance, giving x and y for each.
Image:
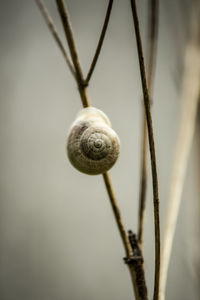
(137, 263)
(153, 39)
(100, 43)
(152, 150)
(55, 34)
(151, 57)
(82, 89)
(117, 214)
(143, 181)
(73, 51)
(123, 234)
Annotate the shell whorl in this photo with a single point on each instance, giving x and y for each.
(92, 145)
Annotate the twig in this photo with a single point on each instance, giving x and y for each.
(189, 100)
(117, 214)
(55, 34)
(151, 57)
(73, 51)
(137, 263)
(107, 180)
(100, 43)
(152, 150)
(83, 93)
(123, 234)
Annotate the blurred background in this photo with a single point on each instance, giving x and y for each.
(58, 237)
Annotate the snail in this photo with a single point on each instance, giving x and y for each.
(92, 145)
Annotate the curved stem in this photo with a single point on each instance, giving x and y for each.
(151, 57)
(151, 148)
(100, 43)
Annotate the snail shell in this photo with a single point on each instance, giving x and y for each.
(92, 145)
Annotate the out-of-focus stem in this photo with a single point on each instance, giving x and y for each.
(151, 59)
(55, 34)
(189, 102)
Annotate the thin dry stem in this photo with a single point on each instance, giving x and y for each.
(55, 34)
(143, 180)
(100, 43)
(123, 234)
(152, 150)
(117, 214)
(137, 263)
(82, 88)
(189, 100)
(151, 57)
(152, 44)
(62, 8)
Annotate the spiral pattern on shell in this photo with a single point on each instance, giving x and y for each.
(92, 145)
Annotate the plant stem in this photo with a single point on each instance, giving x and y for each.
(137, 262)
(189, 102)
(55, 34)
(73, 51)
(117, 214)
(152, 150)
(123, 234)
(100, 43)
(151, 57)
(83, 93)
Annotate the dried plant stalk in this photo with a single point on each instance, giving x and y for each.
(100, 43)
(73, 51)
(83, 93)
(189, 101)
(151, 148)
(136, 272)
(151, 59)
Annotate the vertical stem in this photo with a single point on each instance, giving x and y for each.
(152, 45)
(151, 57)
(143, 181)
(73, 51)
(122, 231)
(83, 93)
(189, 100)
(152, 151)
(117, 214)
(82, 87)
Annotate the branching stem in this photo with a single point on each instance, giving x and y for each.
(83, 93)
(82, 87)
(100, 43)
(73, 51)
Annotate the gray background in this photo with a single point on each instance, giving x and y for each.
(58, 238)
